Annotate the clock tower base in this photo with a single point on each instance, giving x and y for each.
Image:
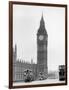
(42, 72)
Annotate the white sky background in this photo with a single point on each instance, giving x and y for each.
(26, 21)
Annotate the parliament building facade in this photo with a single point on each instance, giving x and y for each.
(20, 65)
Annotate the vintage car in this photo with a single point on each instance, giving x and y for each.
(41, 76)
(28, 75)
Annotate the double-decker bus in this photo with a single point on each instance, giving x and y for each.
(62, 72)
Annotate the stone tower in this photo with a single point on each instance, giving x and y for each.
(42, 41)
(15, 54)
(14, 63)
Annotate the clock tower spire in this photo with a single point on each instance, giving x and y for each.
(42, 29)
(42, 42)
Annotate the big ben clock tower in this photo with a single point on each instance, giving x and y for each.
(42, 41)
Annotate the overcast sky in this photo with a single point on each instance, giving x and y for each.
(26, 21)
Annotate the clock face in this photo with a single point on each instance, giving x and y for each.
(41, 37)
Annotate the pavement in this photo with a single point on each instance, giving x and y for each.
(47, 81)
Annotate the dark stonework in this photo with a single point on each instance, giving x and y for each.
(42, 41)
